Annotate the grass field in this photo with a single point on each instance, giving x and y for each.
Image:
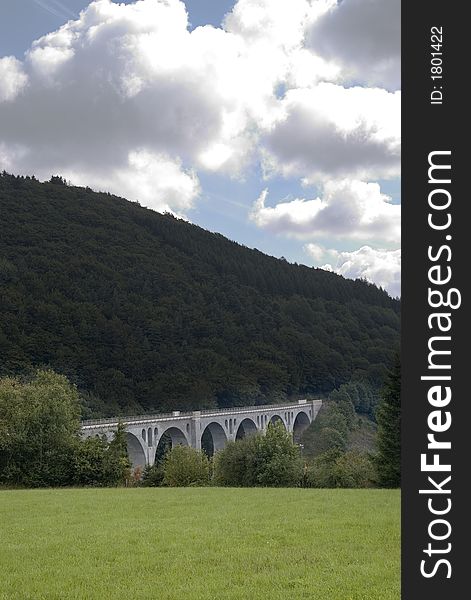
(199, 544)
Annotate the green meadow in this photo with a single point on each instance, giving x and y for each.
(200, 544)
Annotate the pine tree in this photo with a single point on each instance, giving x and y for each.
(388, 458)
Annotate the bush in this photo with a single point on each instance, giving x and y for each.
(153, 475)
(278, 458)
(329, 430)
(136, 475)
(184, 466)
(89, 461)
(319, 471)
(353, 470)
(270, 460)
(117, 464)
(234, 465)
(334, 469)
(329, 439)
(99, 462)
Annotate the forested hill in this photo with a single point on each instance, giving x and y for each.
(145, 312)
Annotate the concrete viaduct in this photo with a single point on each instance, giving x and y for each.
(218, 426)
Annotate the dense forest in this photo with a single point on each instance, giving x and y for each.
(147, 312)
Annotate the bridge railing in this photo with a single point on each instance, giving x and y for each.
(208, 411)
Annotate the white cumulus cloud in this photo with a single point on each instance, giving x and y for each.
(282, 23)
(347, 209)
(154, 180)
(316, 251)
(364, 37)
(331, 131)
(126, 94)
(123, 82)
(12, 78)
(382, 267)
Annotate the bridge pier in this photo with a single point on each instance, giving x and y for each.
(195, 430)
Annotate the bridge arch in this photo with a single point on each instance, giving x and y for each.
(246, 427)
(300, 424)
(136, 452)
(276, 418)
(213, 438)
(169, 438)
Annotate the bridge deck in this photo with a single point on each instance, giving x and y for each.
(176, 415)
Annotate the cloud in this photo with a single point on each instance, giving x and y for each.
(315, 251)
(156, 181)
(124, 85)
(120, 83)
(364, 37)
(277, 21)
(12, 78)
(347, 210)
(331, 131)
(382, 267)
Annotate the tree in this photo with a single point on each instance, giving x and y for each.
(328, 430)
(234, 465)
(117, 463)
(278, 459)
(344, 405)
(99, 462)
(90, 460)
(39, 429)
(327, 439)
(40, 442)
(184, 466)
(57, 180)
(388, 457)
(172, 317)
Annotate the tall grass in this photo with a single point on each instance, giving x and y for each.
(199, 544)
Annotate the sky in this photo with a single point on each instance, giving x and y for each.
(274, 123)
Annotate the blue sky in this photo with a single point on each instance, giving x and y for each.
(278, 128)
(22, 21)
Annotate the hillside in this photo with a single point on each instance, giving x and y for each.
(145, 312)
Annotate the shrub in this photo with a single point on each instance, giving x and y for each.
(278, 460)
(184, 466)
(136, 475)
(334, 469)
(153, 476)
(234, 465)
(329, 439)
(270, 460)
(100, 462)
(89, 461)
(319, 471)
(117, 464)
(353, 470)
(329, 430)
